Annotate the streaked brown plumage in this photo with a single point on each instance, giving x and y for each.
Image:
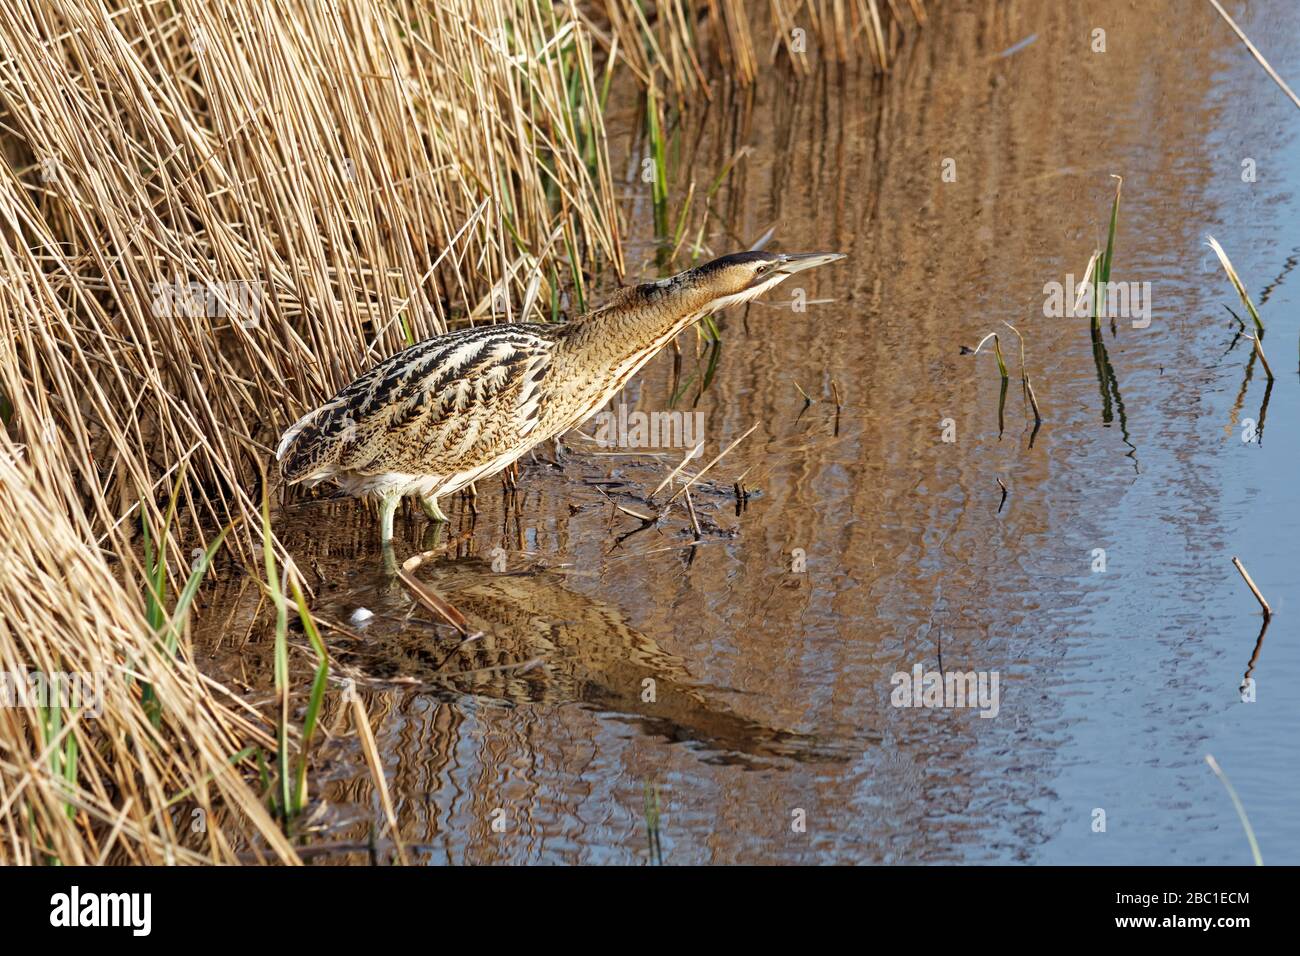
(462, 406)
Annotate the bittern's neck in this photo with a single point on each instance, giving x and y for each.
(635, 325)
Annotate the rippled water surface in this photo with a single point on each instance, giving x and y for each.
(772, 689)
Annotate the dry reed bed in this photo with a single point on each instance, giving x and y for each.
(211, 216)
(364, 171)
(677, 40)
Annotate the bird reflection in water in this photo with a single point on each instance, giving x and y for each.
(534, 640)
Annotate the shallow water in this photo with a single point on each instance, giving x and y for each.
(772, 688)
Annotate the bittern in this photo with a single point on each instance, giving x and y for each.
(448, 411)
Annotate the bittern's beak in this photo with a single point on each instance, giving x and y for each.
(797, 262)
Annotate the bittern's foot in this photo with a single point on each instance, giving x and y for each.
(430, 506)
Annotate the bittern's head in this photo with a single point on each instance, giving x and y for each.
(735, 279)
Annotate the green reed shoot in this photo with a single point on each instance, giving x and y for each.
(1101, 278)
(658, 153)
(319, 684)
(651, 804)
(1002, 371)
(292, 786)
(168, 626)
(281, 652)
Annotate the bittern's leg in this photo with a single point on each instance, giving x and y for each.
(387, 505)
(430, 506)
(390, 559)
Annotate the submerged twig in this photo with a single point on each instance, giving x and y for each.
(434, 603)
(807, 399)
(703, 471)
(673, 474)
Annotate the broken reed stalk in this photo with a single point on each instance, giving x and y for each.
(997, 351)
(694, 452)
(741, 492)
(1033, 401)
(1002, 370)
(703, 471)
(1083, 284)
(1259, 350)
(434, 602)
(361, 721)
(1241, 810)
(1259, 57)
(695, 520)
(1245, 576)
(1024, 375)
(1237, 284)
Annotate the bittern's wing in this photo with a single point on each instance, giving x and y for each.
(426, 407)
